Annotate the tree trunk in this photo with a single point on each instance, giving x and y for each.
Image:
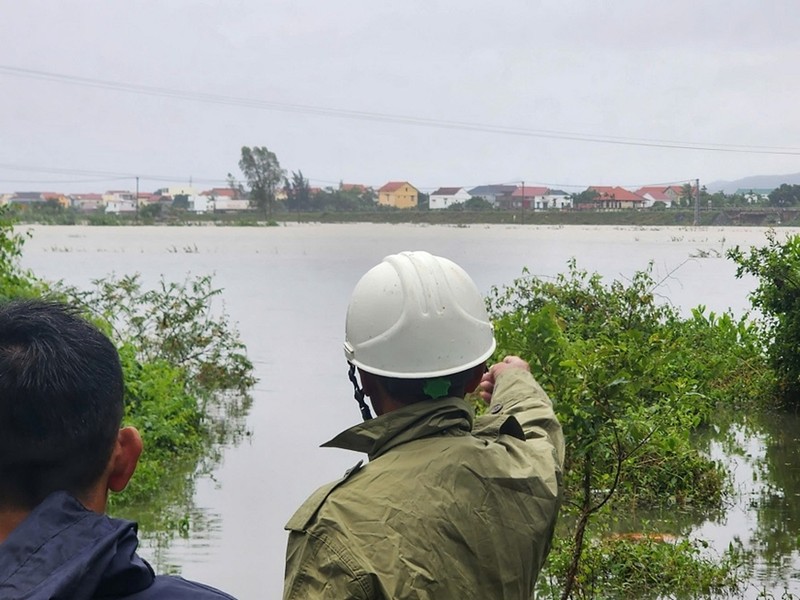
(583, 521)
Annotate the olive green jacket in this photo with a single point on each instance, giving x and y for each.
(446, 508)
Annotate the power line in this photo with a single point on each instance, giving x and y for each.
(111, 176)
(392, 118)
(106, 175)
(48, 181)
(88, 173)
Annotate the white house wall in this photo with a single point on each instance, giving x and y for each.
(558, 201)
(440, 202)
(223, 203)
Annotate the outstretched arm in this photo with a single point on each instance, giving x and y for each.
(509, 389)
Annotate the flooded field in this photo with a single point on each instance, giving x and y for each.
(288, 289)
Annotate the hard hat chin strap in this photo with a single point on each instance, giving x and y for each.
(358, 393)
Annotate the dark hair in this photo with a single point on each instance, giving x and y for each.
(417, 390)
(61, 402)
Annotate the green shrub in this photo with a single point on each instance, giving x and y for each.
(15, 282)
(619, 370)
(776, 266)
(646, 567)
(186, 382)
(186, 377)
(631, 382)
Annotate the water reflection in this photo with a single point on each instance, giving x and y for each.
(763, 514)
(776, 490)
(171, 515)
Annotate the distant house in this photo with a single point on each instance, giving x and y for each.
(117, 207)
(200, 204)
(526, 197)
(493, 194)
(119, 202)
(230, 205)
(615, 198)
(25, 198)
(446, 197)
(118, 195)
(557, 199)
(399, 194)
(755, 195)
(675, 192)
(352, 187)
(146, 198)
(37, 198)
(657, 193)
(221, 200)
(87, 202)
(177, 190)
(227, 192)
(62, 200)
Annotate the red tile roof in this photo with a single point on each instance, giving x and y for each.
(656, 192)
(224, 192)
(352, 187)
(618, 193)
(393, 186)
(527, 191)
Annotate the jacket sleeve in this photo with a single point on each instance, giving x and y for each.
(316, 569)
(517, 394)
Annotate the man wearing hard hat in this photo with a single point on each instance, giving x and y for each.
(449, 505)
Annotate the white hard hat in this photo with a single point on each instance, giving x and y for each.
(415, 316)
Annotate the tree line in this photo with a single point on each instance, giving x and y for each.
(265, 179)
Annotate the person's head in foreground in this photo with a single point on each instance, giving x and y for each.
(62, 451)
(417, 330)
(61, 405)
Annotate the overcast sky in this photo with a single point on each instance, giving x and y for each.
(685, 72)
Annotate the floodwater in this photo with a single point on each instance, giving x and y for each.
(288, 288)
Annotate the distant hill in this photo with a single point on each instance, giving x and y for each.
(753, 182)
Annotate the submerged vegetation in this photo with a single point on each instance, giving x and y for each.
(186, 372)
(776, 266)
(186, 378)
(646, 566)
(633, 384)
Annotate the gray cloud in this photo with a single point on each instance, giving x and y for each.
(713, 71)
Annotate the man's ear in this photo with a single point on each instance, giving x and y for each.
(124, 458)
(475, 378)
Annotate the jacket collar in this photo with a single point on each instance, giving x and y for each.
(64, 550)
(412, 422)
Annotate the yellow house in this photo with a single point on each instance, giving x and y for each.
(399, 194)
(62, 200)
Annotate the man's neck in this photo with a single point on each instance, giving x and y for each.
(10, 518)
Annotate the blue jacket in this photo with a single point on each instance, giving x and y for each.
(62, 551)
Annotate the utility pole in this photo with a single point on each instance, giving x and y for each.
(137, 198)
(522, 204)
(697, 202)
